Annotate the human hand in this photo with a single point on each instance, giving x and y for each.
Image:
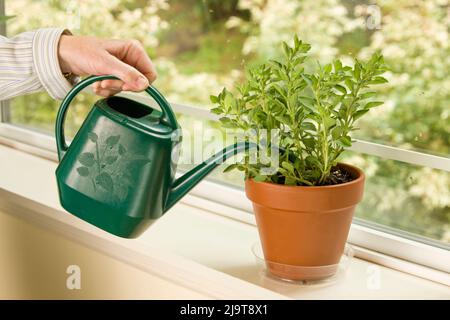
(125, 59)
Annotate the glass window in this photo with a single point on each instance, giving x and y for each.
(201, 46)
(413, 199)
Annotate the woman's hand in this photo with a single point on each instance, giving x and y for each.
(125, 59)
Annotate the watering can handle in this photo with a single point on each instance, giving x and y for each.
(167, 111)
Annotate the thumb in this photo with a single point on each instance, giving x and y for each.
(132, 78)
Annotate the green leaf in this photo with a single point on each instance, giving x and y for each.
(358, 114)
(87, 159)
(373, 104)
(226, 122)
(378, 80)
(105, 181)
(283, 118)
(279, 104)
(340, 88)
(216, 110)
(308, 126)
(276, 64)
(309, 142)
(279, 89)
(110, 159)
(260, 178)
(305, 47)
(350, 84)
(297, 41)
(289, 181)
(307, 101)
(214, 99)
(286, 49)
(293, 99)
(367, 95)
(83, 171)
(357, 71)
(231, 167)
(344, 141)
(111, 141)
(307, 78)
(336, 132)
(92, 136)
(288, 166)
(329, 122)
(337, 65)
(313, 162)
(312, 108)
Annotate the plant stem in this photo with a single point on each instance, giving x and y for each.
(325, 140)
(304, 181)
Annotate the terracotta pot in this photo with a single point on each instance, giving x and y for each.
(303, 230)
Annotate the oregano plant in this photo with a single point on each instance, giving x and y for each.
(315, 113)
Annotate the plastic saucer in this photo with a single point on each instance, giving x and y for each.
(304, 275)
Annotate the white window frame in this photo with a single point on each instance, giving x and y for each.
(395, 243)
(408, 252)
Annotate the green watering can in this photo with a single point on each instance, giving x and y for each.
(119, 171)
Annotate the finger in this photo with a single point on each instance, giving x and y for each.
(96, 85)
(132, 78)
(105, 92)
(112, 84)
(133, 53)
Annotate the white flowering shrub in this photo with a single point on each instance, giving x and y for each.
(196, 88)
(414, 38)
(104, 18)
(320, 22)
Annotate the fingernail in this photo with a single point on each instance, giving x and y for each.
(142, 82)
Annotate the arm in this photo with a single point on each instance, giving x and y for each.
(35, 61)
(29, 63)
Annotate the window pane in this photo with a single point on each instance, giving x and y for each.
(399, 195)
(405, 197)
(37, 111)
(200, 46)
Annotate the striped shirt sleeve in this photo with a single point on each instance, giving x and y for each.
(29, 63)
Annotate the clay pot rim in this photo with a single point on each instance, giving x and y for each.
(358, 179)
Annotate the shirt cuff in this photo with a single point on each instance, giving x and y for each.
(46, 62)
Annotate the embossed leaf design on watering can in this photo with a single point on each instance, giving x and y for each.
(119, 171)
(108, 164)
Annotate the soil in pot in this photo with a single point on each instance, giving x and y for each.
(303, 230)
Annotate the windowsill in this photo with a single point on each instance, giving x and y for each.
(185, 231)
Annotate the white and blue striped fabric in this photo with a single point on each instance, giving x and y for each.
(29, 63)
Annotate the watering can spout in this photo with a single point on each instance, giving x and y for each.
(190, 179)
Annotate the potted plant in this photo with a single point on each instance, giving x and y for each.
(305, 207)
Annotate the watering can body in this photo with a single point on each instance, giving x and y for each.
(119, 171)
